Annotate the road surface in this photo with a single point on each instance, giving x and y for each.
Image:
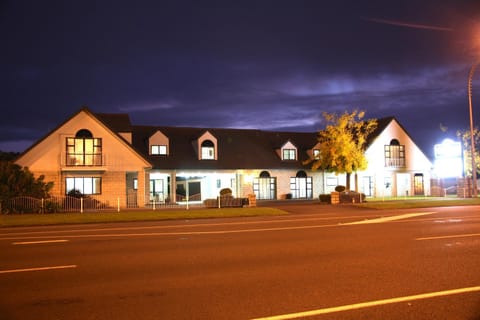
(319, 262)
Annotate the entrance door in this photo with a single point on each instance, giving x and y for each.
(367, 186)
(403, 185)
(301, 188)
(265, 187)
(418, 184)
(156, 190)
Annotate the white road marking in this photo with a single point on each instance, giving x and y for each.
(391, 218)
(39, 269)
(40, 242)
(466, 235)
(179, 233)
(371, 304)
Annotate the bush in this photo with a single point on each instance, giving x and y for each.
(226, 192)
(325, 198)
(352, 197)
(340, 188)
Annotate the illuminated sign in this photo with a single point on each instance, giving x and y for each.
(448, 159)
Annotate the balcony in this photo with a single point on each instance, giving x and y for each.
(395, 163)
(83, 162)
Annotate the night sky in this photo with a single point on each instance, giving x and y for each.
(274, 65)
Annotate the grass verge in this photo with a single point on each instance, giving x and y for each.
(409, 203)
(13, 220)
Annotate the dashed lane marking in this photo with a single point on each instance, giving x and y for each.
(38, 269)
(390, 218)
(39, 242)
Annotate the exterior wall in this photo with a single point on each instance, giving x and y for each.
(48, 157)
(121, 165)
(389, 181)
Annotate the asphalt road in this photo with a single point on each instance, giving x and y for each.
(320, 262)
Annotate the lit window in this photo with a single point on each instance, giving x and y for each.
(289, 154)
(208, 150)
(158, 149)
(84, 150)
(84, 185)
(316, 154)
(394, 154)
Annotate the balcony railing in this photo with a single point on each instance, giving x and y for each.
(395, 162)
(83, 160)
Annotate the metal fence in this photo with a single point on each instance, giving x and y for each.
(25, 204)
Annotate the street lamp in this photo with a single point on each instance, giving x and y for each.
(472, 140)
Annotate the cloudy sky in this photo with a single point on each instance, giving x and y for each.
(244, 64)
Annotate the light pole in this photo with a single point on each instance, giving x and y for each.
(472, 140)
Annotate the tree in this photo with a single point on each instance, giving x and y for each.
(464, 135)
(342, 143)
(17, 181)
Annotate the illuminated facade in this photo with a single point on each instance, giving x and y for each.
(104, 155)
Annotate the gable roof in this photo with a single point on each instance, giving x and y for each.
(237, 148)
(112, 122)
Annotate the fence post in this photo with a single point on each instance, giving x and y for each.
(42, 209)
(81, 205)
(118, 204)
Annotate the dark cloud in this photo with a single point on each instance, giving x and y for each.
(251, 64)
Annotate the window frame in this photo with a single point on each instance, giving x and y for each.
(395, 156)
(207, 150)
(84, 151)
(94, 186)
(161, 150)
(289, 154)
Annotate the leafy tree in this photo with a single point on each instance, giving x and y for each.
(8, 156)
(17, 181)
(342, 143)
(464, 135)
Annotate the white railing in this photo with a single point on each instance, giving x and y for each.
(92, 203)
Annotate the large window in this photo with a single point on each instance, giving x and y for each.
(84, 150)
(301, 186)
(208, 150)
(265, 187)
(395, 155)
(84, 185)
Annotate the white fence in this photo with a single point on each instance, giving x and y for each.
(53, 204)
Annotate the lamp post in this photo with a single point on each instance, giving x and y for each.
(472, 140)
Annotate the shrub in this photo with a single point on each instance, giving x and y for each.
(226, 192)
(325, 198)
(352, 196)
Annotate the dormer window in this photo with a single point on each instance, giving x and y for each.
(289, 154)
(208, 150)
(158, 144)
(288, 151)
(158, 150)
(206, 147)
(316, 154)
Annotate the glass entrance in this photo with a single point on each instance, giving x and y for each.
(418, 184)
(156, 190)
(265, 187)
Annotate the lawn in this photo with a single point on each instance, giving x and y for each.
(11, 220)
(417, 202)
